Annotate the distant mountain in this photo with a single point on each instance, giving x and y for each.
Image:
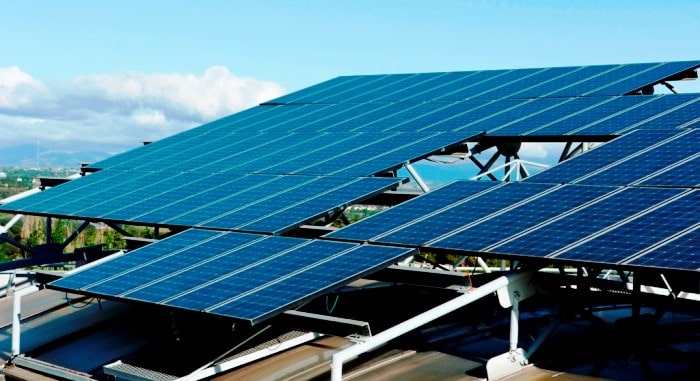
(26, 156)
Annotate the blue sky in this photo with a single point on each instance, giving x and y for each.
(108, 75)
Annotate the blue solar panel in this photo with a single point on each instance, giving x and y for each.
(430, 227)
(638, 115)
(437, 115)
(595, 84)
(322, 277)
(525, 82)
(576, 122)
(648, 163)
(169, 263)
(324, 89)
(222, 272)
(534, 122)
(476, 89)
(679, 253)
(399, 83)
(416, 90)
(594, 218)
(512, 115)
(469, 116)
(681, 116)
(328, 197)
(638, 234)
(404, 213)
(513, 221)
(356, 93)
(686, 174)
(579, 74)
(601, 156)
(234, 259)
(460, 83)
(649, 77)
(423, 145)
(399, 115)
(147, 254)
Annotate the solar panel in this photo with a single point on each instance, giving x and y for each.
(525, 82)
(475, 90)
(338, 85)
(524, 110)
(244, 276)
(388, 90)
(601, 156)
(426, 228)
(324, 276)
(373, 159)
(503, 226)
(282, 212)
(686, 174)
(401, 214)
(649, 77)
(465, 119)
(681, 116)
(144, 255)
(637, 234)
(573, 123)
(579, 74)
(681, 252)
(593, 218)
(459, 84)
(595, 84)
(535, 121)
(416, 91)
(632, 117)
(647, 163)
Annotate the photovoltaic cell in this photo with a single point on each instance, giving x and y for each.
(427, 228)
(533, 122)
(595, 84)
(515, 114)
(323, 276)
(307, 94)
(683, 175)
(116, 266)
(573, 123)
(649, 77)
(638, 115)
(638, 234)
(223, 272)
(601, 156)
(406, 212)
(648, 163)
(476, 89)
(514, 221)
(594, 218)
(437, 81)
(678, 253)
(556, 84)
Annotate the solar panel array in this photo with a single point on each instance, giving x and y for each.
(248, 276)
(271, 168)
(256, 202)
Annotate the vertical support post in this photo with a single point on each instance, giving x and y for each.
(423, 186)
(514, 321)
(48, 230)
(16, 313)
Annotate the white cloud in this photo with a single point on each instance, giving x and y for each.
(120, 109)
(148, 117)
(18, 89)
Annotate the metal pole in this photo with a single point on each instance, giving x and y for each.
(514, 316)
(417, 177)
(383, 337)
(16, 312)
